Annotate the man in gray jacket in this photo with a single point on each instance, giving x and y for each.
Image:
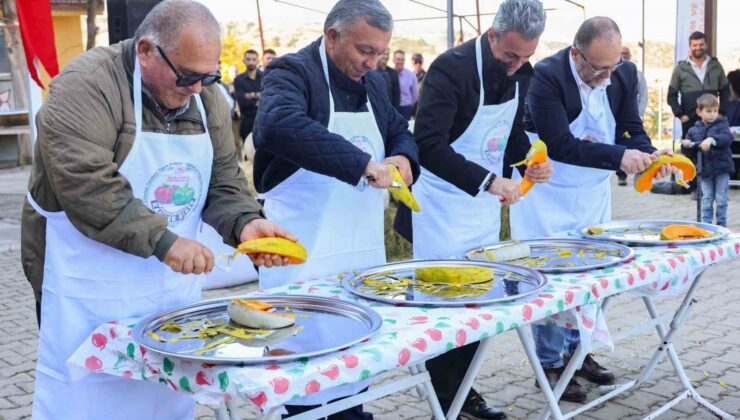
(134, 152)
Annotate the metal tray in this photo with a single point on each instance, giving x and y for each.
(508, 283)
(327, 325)
(647, 232)
(563, 255)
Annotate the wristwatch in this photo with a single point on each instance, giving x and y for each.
(489, 181)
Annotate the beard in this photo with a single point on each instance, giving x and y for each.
(252, 67)
(698, 54)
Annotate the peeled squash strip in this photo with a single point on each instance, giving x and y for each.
(683, 232)
(254, 314)
(536, 154)
(644, 181)
(295, 252)
(403, 194)
(509, 252)
(455, 276)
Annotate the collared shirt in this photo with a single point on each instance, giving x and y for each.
(409, 87)
(593, 99)
(700, 71)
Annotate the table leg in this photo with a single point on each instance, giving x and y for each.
(470, 375)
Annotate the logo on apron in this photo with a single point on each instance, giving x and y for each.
(494, 142)
(174, 191)
(364, 144)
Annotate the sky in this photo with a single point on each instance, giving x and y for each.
(563, 17)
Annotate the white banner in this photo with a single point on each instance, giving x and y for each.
(689, 18)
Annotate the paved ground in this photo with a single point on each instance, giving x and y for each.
(709, 345)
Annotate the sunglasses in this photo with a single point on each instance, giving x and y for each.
(189, 80)
(599, 70)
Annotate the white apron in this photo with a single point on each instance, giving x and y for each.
(87, 283)
(340, 225)
(575, 196)
(451, 221)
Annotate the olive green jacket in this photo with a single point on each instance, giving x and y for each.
(86, 129)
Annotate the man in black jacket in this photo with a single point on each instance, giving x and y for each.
(391, 79)
(247, 92)
(469, 119)
(582, 102)
(326, 136)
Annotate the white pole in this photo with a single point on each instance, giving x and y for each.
(450, 25)
(660, 113)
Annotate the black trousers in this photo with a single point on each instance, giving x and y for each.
(685, 128)
(447, 372)
(37, 295)
(246, 126)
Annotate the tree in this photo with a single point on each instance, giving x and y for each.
(232, 52)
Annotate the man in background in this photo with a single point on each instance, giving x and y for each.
(247, 91)
(407, 83)
(641, 102)
(391, 79)
(267, 56)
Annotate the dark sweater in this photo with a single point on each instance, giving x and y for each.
(290, 130)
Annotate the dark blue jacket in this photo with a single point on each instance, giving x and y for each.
(290, 129)
(718, 160)
(553, 102)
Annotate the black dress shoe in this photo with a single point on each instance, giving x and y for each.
(593, 372)
(476, 408)
(573, 392)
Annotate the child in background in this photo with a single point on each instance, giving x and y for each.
(712, 136)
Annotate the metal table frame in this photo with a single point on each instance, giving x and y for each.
(419, 378)
(665, 346)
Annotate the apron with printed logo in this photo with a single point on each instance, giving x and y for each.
(87, 283)
(575, 196)
(451, 221)
(340, 225)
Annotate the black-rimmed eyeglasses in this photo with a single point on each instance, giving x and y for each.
(599, 70)
(189, 80)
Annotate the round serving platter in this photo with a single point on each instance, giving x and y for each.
(647, 232)
(562, 255)
(323, 325)
(407, 283)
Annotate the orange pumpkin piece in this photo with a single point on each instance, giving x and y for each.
(295, 252)
(536, 154)
(683, 232)
(644, 180)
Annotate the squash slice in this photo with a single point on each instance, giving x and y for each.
(683, 232)
(295, 252)
(644, 180)
(536, 154)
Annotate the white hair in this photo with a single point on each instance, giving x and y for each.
(163, 24)
(524, 16)
(347, 12)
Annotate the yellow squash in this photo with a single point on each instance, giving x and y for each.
(455, 276)
(683, 232)
(536, 154)
(644, 181)
(295, 252)
(402, 193)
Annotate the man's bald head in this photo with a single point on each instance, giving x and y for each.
(598, 27)
(165, 22)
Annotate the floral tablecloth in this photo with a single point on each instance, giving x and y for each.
(408, 334)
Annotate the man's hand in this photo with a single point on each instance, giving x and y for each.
(379, 174)
(665, 170)
(189, 257)
(706, 144)
(684, 118)
(634, 161)
(539, 173)
(404, 167)
(686, 143)
(263, 228)
(506, 189)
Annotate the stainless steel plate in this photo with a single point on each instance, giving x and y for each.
(647, 232)
(497, 283)
(563, 255)
(326, 325)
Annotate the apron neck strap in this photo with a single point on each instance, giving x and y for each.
(479, 66)
(138, 103)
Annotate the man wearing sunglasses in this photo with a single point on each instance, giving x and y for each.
(134, 153)
(582, 102)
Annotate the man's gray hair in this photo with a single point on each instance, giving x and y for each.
(524, 16)
(593, 28)
(348, 12)
(163, 24)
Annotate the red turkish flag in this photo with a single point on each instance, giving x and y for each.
(37, 33)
